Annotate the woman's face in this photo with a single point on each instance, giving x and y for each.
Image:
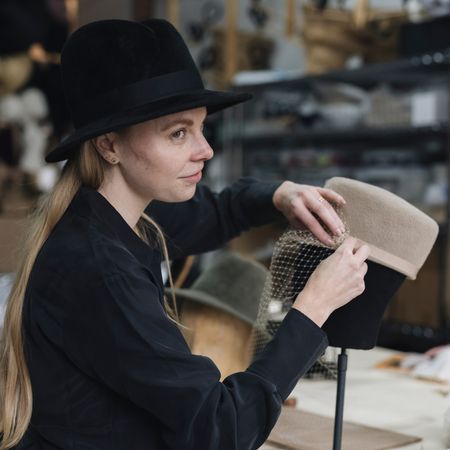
(162, 159)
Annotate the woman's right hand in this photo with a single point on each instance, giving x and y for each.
(335, 281)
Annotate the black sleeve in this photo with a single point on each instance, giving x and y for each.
(125, 340)
(210, 219)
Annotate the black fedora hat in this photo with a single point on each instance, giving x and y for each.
(118, 73)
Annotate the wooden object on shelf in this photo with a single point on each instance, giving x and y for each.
(230, 53)
(248, 44)
(173, 12)
(290, 18)
(417, 302)
(144, 9)
(331, 36)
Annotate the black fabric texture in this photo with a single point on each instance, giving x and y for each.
(110, 371)
(357, 324)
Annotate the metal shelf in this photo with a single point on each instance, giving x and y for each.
(405, 72)
(368, 136)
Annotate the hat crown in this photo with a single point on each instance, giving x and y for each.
(233, 284)
(106, 56)
(400, 235)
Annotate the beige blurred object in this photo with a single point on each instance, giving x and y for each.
(173, 12)
(15, 71)
(15, 209)
(40, 55)
(11, 229)
(331, 36)
(218, 335)
(72, 8)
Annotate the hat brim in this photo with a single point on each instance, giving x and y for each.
(214, 101)
(206, 299)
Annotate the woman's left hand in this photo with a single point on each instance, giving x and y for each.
(302, 204)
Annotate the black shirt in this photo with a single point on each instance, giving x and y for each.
(110, 371)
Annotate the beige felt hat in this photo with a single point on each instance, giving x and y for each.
(400, 235)
(15, 71)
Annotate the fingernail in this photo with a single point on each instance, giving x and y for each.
(330, 242)
(343, 201)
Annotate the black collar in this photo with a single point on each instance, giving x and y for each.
(90, 203)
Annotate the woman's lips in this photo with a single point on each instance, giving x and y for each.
(195, 178)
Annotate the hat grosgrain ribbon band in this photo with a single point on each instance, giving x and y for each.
(389, 260)
(135, 95)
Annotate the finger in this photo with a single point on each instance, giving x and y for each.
(313, 224)
(349, 245)
(362, 253)
(320, 206)
(364, 269)
(332, 196)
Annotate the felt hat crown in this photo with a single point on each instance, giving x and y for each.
(117, 73)
(399, 235)
(232, 284)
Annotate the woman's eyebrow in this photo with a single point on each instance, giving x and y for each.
(174, 122)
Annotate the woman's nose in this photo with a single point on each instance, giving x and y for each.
(203, 149)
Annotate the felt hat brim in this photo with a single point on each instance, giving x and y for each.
(214, 101)
(203, 298)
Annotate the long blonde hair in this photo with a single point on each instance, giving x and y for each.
(85, 167)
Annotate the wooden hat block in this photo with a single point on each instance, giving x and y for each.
(218, 335)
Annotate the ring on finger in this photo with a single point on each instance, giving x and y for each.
(321, 199)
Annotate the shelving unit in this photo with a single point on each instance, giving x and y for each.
(288, 147)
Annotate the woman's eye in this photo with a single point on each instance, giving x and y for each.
(179, 134)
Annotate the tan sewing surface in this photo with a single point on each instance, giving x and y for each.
(379, 398)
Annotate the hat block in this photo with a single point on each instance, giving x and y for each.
(400, 237)
(219, 311)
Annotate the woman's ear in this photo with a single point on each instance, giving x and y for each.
(104, 144)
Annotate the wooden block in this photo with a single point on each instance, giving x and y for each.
(219, 335)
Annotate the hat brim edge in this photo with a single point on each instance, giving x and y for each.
(214, 101)
(206, 299)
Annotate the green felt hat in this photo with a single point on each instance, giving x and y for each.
(232, 284)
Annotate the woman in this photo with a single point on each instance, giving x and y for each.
(93, 357)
